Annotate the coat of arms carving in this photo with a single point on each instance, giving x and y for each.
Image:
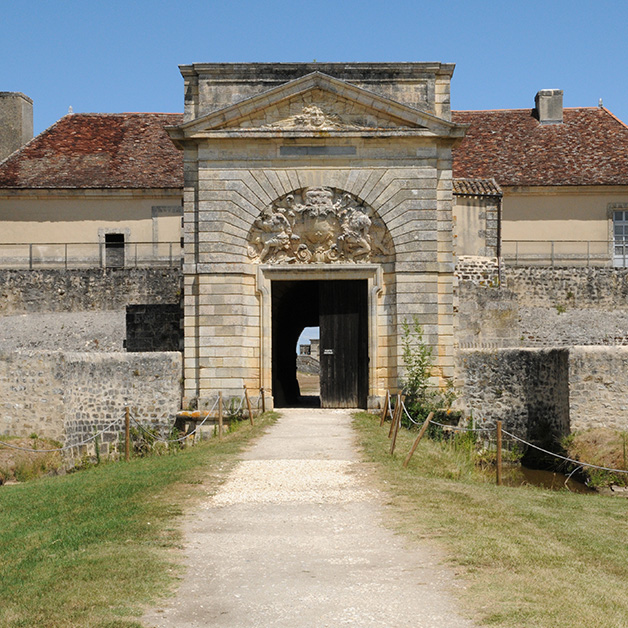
(318, 224)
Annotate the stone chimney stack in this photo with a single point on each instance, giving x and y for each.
(16, 122)
(549, 106)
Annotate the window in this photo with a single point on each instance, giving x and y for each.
(620, 238)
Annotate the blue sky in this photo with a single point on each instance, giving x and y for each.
(113, 56)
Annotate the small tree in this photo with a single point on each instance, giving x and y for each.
(417, 358)
(418, 362)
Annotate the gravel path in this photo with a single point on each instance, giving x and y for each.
(294, 538)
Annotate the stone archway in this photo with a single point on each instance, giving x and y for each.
(327, 246)
(313, 172)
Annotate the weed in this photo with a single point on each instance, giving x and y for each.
(421, 398)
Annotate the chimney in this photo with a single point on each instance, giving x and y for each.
(16, 122)
(549, 106)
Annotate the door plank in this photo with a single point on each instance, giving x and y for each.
(343, 344)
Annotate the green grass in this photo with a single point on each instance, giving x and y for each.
(530, 558)
(89, 549)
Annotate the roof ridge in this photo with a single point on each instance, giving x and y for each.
(612, 115)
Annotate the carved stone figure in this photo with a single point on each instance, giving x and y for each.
(314, 118)
(318, 224)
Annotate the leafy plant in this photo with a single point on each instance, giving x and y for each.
(421, 397)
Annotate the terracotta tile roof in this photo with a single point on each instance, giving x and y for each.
(476, 187)
(590, 147)
(132, 150)
(126, 150)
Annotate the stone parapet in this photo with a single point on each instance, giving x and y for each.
(543, 394)
(70, 396)
(59, 290)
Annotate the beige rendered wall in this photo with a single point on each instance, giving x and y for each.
(560, 215)
(475, 221)
(28, 218)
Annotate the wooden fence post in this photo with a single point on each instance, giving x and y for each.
(499, 453)
(417, 440)
(397, 425)
(385, 409)
(220, 414)
(394, 415)
(248, 404)
(127, 434)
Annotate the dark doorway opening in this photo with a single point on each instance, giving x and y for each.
(339, 308)
(114, 250)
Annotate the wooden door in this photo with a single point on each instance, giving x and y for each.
(343, 343)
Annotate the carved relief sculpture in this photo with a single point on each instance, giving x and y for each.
(318, 224)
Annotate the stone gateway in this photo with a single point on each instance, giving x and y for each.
(315, 194)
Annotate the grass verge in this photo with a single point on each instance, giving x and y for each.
(531, 558)
(89, 549)
(22, 466)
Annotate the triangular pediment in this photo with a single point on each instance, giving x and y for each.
(316, 103)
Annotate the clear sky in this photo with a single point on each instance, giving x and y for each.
(114, 56)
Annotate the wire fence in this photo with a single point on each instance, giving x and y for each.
(496, 429)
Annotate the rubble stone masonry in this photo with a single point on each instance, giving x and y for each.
(70, 396)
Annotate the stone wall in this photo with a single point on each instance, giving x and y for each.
(540, 307)
(486, 317)
(69, 396)
(570, 287)
(544, 393)
(59, 290)
(598, 381)
(527, 389)
(155, 327)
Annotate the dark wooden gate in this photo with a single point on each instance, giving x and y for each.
(344, 343)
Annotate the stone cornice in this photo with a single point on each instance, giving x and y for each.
(89, 193)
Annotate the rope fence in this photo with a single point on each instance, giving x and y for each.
(400, 407)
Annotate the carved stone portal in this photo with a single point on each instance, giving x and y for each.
(318, 224)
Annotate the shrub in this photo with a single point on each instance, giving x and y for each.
(421, 398)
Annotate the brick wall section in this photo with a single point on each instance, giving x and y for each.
(69, 396)
(58, 290)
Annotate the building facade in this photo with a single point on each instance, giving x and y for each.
(312, 197)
